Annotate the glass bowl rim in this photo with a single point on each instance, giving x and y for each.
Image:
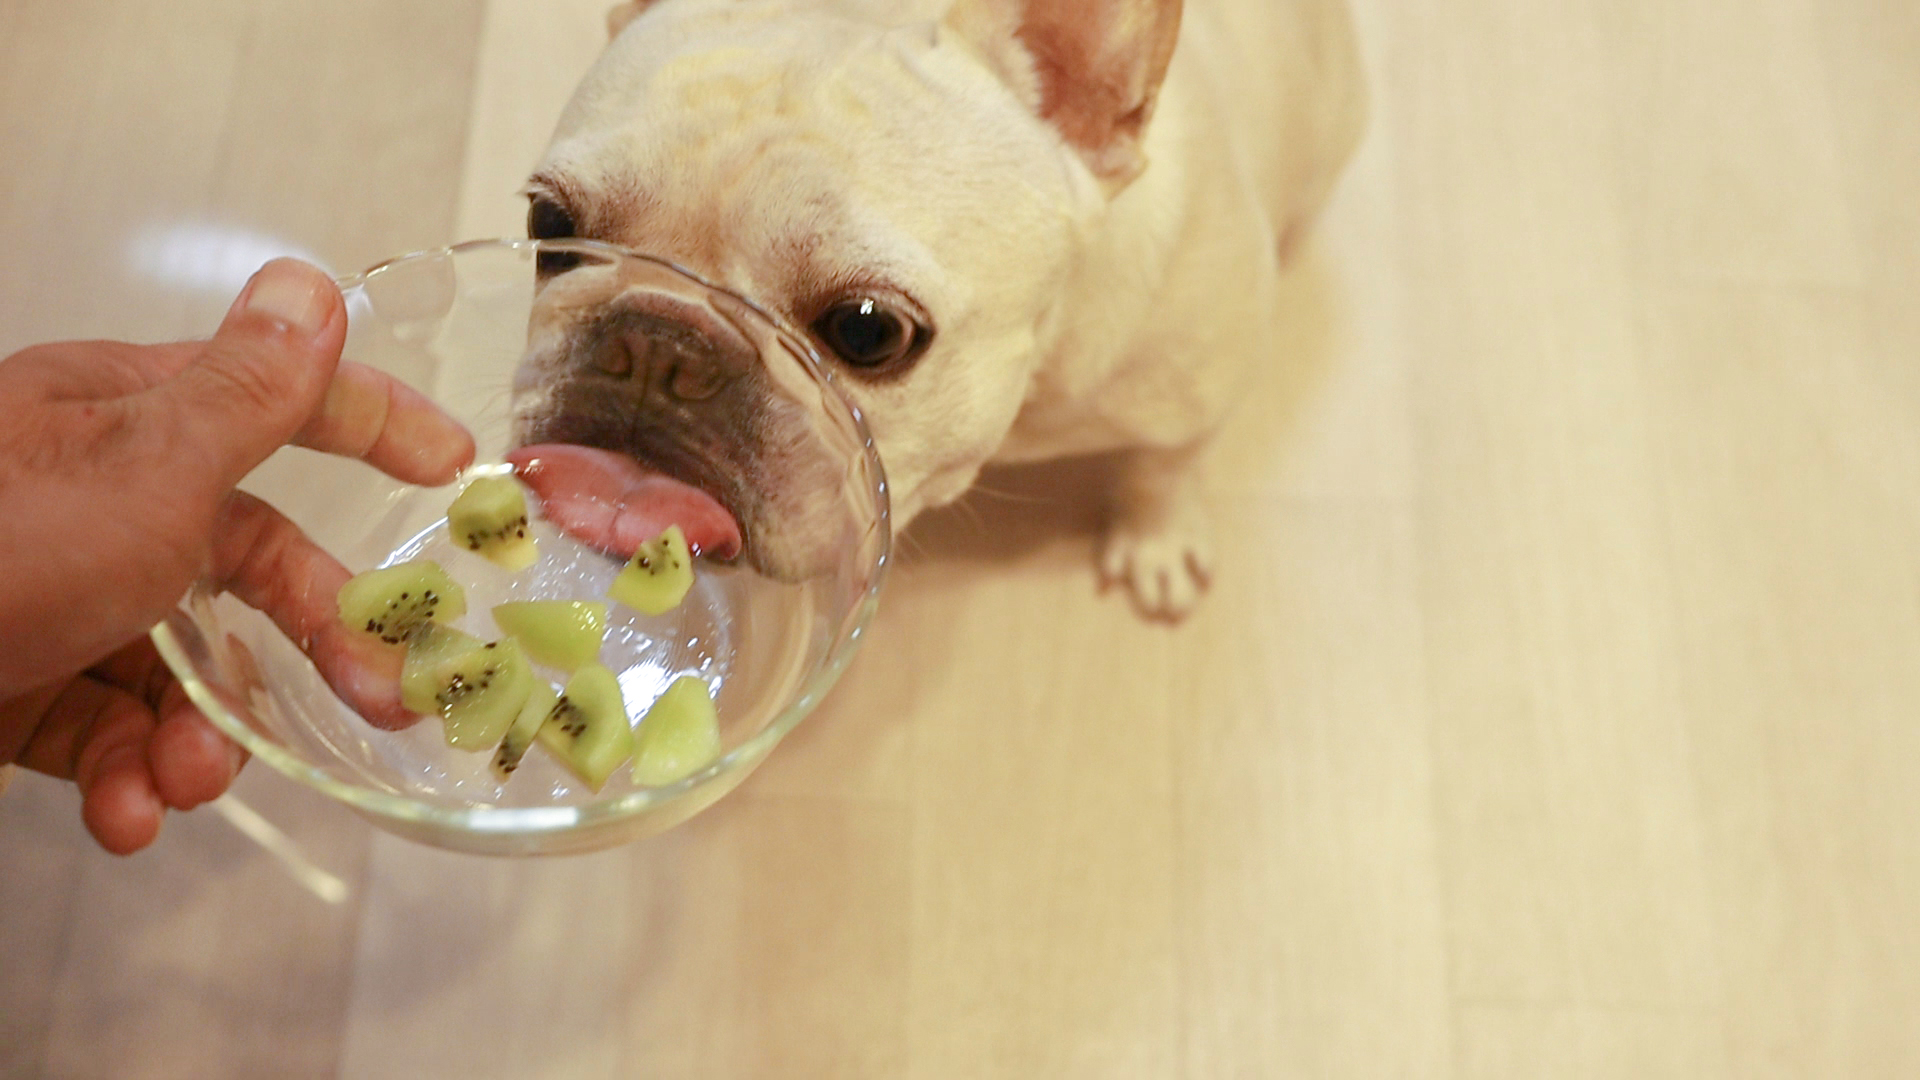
(536, 820)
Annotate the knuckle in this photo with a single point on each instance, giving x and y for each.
(246, 379)
(77, 437)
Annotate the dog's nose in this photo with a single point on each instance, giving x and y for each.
(670, 349)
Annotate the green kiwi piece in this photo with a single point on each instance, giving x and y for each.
(588, 730)
(679, 736)
(562, 634)
(481, 692)
(393, 603)
(432, 648)
(489, 518)
(519, 736)
(658, 576)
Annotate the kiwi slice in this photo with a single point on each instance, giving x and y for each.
(432, 648)
(588, 730)
(658, 576)
(679, 736)
(393, 603)
(489, 518)
(558, 633)
(481, 692)
(519, 736)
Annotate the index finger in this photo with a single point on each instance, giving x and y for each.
(376, 418)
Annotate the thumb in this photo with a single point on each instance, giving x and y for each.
(264, 373)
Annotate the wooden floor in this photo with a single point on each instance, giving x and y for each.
(1557, 714)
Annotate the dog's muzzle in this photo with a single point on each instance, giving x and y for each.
(682, 389)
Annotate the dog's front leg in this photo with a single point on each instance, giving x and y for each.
(1159, 530)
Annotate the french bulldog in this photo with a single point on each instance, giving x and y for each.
(1014, 229)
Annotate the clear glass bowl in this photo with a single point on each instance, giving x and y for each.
(455, 323)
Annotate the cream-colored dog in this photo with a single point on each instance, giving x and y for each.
(1021, 229)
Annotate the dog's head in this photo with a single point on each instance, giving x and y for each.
(909, 189)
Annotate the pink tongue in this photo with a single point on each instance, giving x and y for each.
(611, 502)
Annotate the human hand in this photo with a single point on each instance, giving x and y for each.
(117, 472)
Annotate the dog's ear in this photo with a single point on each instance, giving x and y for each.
(619, 15)
(1093, 68)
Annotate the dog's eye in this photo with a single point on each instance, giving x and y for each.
(869, 333)
(548, 220)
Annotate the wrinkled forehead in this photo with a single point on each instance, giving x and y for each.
(709, 78)
(730, 127)
(758, 129)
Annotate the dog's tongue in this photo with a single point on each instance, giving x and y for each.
(611, 502)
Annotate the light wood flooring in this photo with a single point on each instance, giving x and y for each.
(1557, 713)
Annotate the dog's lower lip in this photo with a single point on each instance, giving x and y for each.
(611, 502)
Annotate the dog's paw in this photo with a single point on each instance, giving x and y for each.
(1167, 567)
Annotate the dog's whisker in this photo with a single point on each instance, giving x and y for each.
(499, 403)
(494, 409)
(972, 513)
(1012, 496)
(908, 550)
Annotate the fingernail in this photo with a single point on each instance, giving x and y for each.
(291, 292)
